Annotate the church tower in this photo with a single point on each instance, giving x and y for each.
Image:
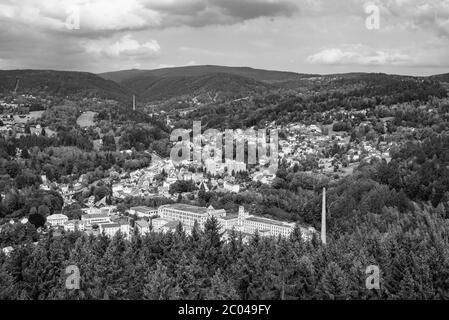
(242, 215)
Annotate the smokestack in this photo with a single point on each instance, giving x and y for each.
(323, 218)
(134, 102)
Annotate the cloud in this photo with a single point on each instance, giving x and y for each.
(256, 8)
(420, 15)
(95, 18)
(300, 35)
(198, 13)
(125, 47)
(358, 55)
(99, 16)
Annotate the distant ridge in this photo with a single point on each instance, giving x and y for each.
(203, 84)
(221, 86)
(441, 77)
(195, 71)
(218, 81)
(61, 83)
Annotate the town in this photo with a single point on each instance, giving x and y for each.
(315, 148)
(154, 189)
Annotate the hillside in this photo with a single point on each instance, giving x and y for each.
(441, 77)
(61, 83)
(217, 82)
(211, 87)
(256, 74)
(207, 83)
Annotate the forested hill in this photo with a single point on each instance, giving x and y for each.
(206, 83)
(212, 83)
(61, 83)
(196, 71)
(211, 87)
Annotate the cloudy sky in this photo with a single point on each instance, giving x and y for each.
(309, 36)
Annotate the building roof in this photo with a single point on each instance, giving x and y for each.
(109, 225)
(57, 216)
(172, 225)
(73, 221)
(186, 207)
(142, 208)
(94, 216)
(230, 217)
(160, 219)
(142, 224)
(268, 221)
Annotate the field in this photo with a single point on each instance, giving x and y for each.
(30, 116)
(86, 119)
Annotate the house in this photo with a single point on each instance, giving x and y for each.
(95, 218)
(74, 225)
(170, 226)
(158, 223)
(231, 187)
(7, 250)
(143, 211)
(164, 190)
(57, 219)
(109, 210)
(142, 226)
(110, 229)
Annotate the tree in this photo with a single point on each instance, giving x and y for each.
(220, 288)
(43, 210)
(12, 168)
(36, 219)
(160, 286)
(334, 283)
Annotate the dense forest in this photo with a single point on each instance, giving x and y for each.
(364, 92)
(369, 223)
(411, 250)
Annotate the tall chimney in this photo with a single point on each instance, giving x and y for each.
(323, 218)
(134, 102)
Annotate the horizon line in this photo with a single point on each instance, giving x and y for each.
(226, 66)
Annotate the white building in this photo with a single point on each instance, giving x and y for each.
(188, 214)
(74, 225)
(95, 218)
(158, 223)
(143, 211)
(171, 214)
(142, 226)
(228, 222)
(7, 250)
(231, 187)
(268, 227)
(57, 219)
(110, 229)
(107, 210)
(236, 166)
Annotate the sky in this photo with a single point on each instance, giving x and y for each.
(305, 36)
